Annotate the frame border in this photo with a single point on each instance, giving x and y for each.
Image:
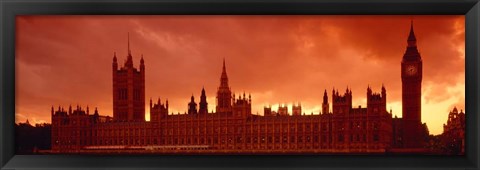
(9, 9)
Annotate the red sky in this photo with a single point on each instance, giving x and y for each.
(63, 60)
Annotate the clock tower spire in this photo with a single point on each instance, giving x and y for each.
(411, 74)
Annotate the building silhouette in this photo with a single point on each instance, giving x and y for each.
(128, 90)
(411, 93)
(454, 132)
(233, 128)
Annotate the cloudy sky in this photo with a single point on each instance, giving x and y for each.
(66, 60)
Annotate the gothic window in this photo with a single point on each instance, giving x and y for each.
(239, 139)
(340, 137)
(300, 128)
(376, 138)
(375, 126)
(135, 94)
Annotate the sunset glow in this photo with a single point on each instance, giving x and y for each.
(279, 60)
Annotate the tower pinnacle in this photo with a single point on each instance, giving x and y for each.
(224, 65)
(224, 100)
(224, 77)
(128, 43)
(411, 37)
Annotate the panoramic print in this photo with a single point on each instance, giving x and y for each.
(235, 85)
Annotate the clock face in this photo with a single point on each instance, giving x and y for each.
(411, 70)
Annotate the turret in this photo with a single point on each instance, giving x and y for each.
(115, 64)
(192, 106)
(166, 104)
(325, 105)
(384, 93)
(142, 64)
(341, 104)
(150, 103)
(376, 102)
(203, 103)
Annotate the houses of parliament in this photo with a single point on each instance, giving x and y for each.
(232, 128)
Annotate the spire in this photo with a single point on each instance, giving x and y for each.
(150, 103)
(224, 77)
(114, 57)
(384, 91)
(412, 40)
(142, 64)
(411, 37)
(223, 64)
(203, 102)
(128, 43)
(325, 97)
(129, 62)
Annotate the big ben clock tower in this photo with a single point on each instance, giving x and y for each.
(411, 93)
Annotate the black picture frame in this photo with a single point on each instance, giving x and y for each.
(9, 9)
